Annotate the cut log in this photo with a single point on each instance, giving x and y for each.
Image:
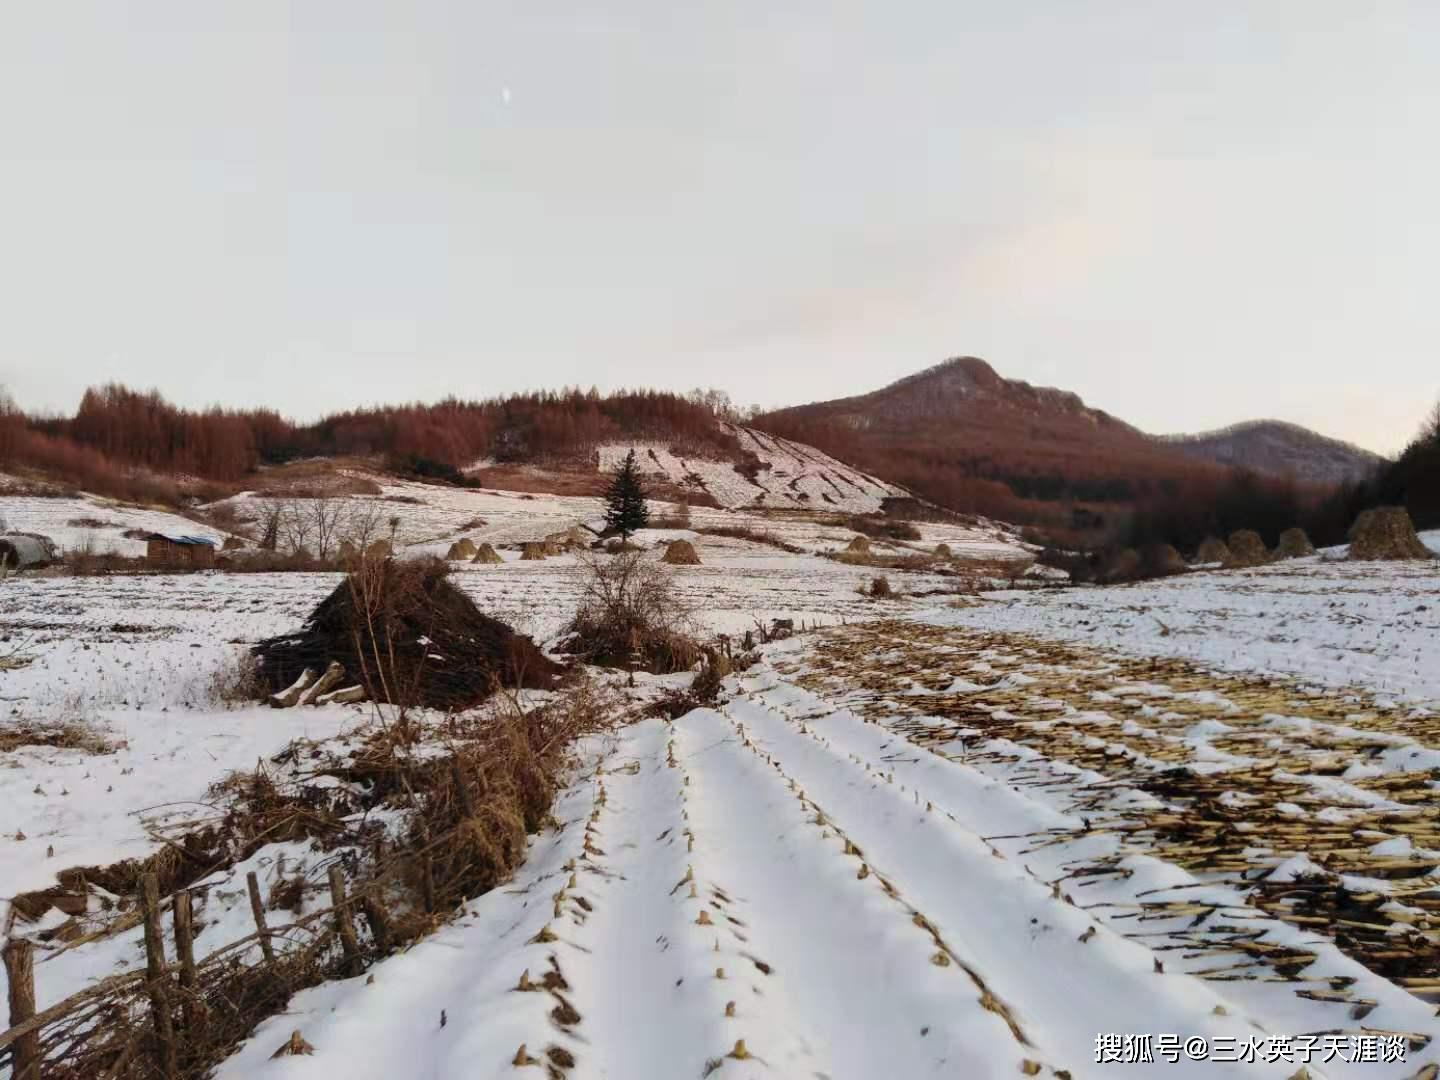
(332, 678)
(290, 695)
(348, 696)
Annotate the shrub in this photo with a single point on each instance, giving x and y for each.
(629, 613)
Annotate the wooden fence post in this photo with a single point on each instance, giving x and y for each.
(379, 920)
(185, 949)
(343, 922)
(258, 910)
(157, 976)
(20, 975)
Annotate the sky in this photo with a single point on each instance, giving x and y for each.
(1189, 214)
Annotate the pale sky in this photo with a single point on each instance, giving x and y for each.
(1190, 214)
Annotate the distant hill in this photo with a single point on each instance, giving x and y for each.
(1280, 449)
(964, 436)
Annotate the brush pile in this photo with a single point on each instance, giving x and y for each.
(407, 636)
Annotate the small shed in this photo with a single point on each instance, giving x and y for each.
(169, 550)
(22, 551)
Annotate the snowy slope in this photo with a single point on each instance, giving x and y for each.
(94, 523)
(793, 476)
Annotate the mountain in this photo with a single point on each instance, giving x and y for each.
(964, 436)
(1280, 449)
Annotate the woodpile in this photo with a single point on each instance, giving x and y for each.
(1246, 549)
(1294, 544)
(312, 689)
(681, 553)
(1386, 532)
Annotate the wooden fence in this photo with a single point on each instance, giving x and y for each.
(176, 1021)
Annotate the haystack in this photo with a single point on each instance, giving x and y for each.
(1386, 532)
(1124, 565)
(487, 554)
(1294, 544)
(348, 552)
(435, 647)
(566, 540)
(461, 549)
(1162, 560)
(681, 553)
(532, 552)
(859, 546)
(1247, 549)
(942, 551)
(380, 549)
(1212, 550)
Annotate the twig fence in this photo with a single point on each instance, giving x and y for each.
(175, 1021)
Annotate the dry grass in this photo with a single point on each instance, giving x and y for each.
(755, 536)
(65, 735)
(464, 821)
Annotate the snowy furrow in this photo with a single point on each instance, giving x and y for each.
(989, 802)
(1000, 918)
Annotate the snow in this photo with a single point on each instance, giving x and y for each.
(793, 476)
(888, 825)
(1375, 625)
(68, 522)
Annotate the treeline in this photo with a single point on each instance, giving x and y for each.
(1245, 500)
(1072, 483)
(117, 430)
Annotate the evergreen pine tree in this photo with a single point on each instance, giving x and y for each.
(625, 500)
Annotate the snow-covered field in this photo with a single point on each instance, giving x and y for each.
(91, 523)
(946, 835)
(1371, 625)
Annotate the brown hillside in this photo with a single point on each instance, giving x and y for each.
(969, 439)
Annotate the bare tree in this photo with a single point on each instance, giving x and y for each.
(296, 527)
(328, 516)
(364, 522)
(270, 522)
